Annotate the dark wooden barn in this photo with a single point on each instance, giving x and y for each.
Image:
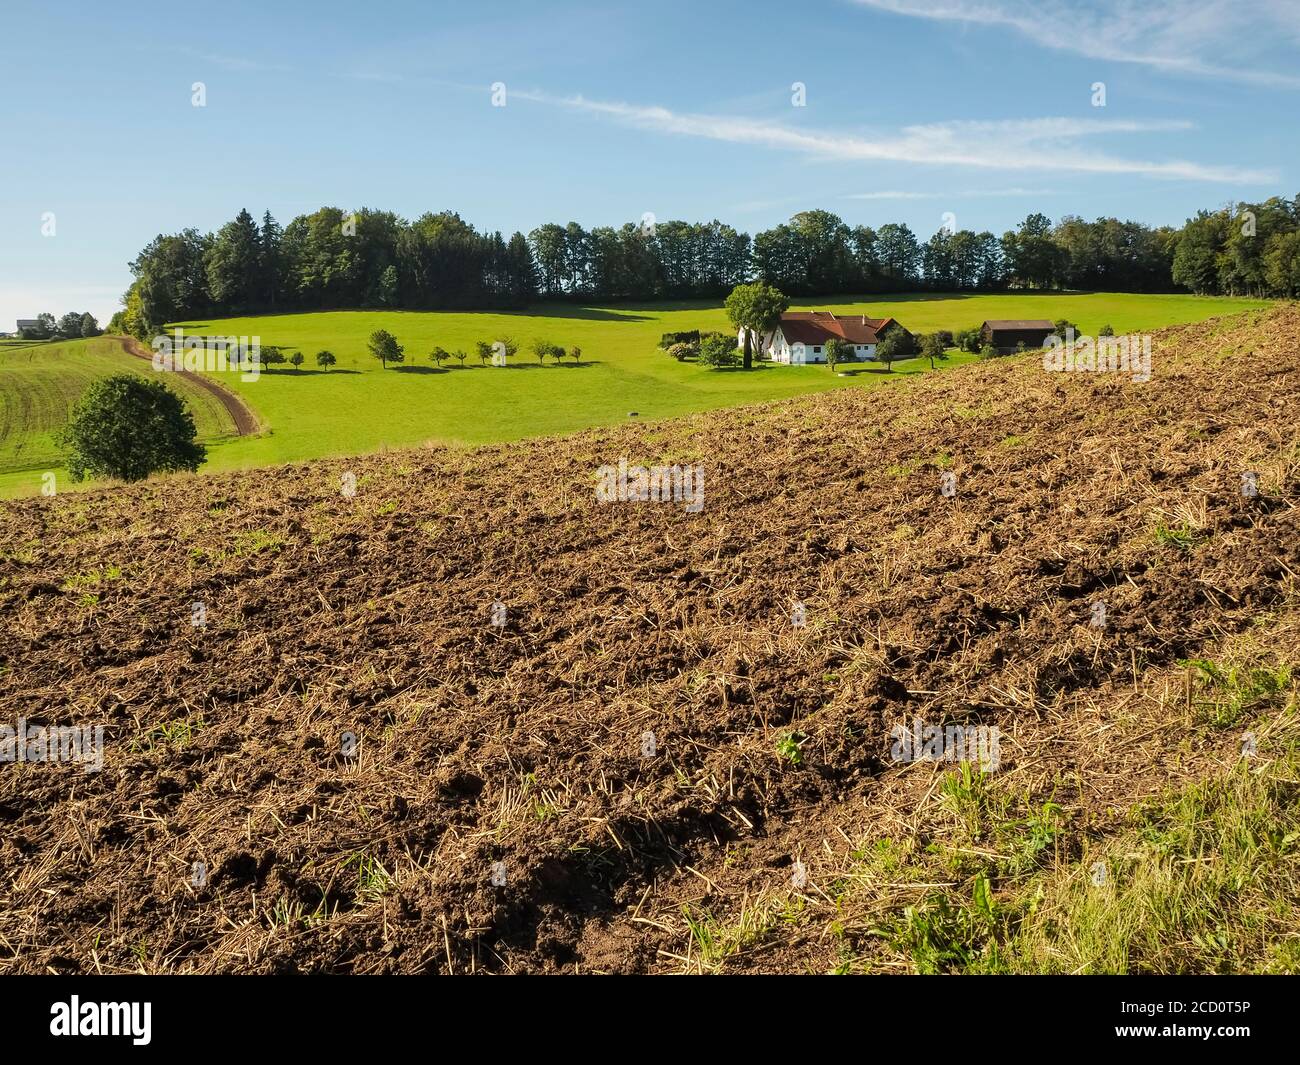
(1006, 335)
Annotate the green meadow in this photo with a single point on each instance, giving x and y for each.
(358, 406)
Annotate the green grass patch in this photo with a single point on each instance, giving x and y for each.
(1227, 693)
(1178, 535)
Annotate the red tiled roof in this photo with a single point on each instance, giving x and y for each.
(817, 327)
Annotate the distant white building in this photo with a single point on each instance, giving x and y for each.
(802, 335)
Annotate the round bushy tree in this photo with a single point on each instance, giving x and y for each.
(127, 427)
(718, 349)
(385, 348)
(895, 344)
(932, 347)
(837, 351)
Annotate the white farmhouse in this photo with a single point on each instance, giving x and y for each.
(802, 335)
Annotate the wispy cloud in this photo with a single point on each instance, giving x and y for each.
(1204, 38)
(1037, 144)
(963, 195)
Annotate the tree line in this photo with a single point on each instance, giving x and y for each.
(70, 326)
(383, 346)
(375, 259)
(1248, 250)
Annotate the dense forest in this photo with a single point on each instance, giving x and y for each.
(336, 259)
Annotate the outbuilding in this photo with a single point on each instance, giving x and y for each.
(1007, 334)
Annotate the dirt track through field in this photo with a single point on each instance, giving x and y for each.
(244, 419)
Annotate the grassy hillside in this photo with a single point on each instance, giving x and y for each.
(360, 407)
(39, 383)
(501, 809)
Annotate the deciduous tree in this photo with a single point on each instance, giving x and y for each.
(932, 348)
(385, 348)
(127, 427)
(837, 351)
(755, 309)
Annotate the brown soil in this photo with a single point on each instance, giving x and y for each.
(522, 745)
(244, 419)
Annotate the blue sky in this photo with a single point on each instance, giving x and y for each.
(914, 108)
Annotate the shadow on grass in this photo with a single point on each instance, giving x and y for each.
(528, 366)
(279, 371)
(536, 310)
(420, 369)
(799, 302)
(851, 370)
(758, 367)
(589, 314)
(552, 365)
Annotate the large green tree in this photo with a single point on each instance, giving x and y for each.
(1033, 258)
(1282, 264)
(756, 309)
(128, 427)
(70, 325)
(270, 261)
(897, 343)
(234, 263)
(385, 348)
(898, 253)
(171, 280)
(1197, 251)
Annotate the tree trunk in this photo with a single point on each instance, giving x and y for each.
(749, 357)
